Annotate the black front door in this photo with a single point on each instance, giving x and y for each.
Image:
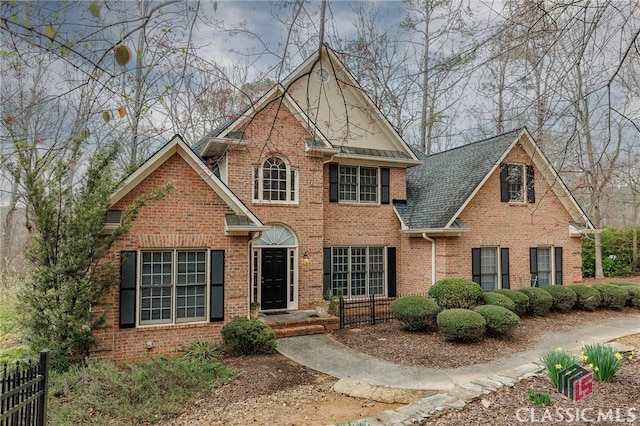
(274, 279)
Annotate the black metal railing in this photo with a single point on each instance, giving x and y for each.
(23, 401)
(365, 310)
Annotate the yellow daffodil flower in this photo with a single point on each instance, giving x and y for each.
(558, 366)
(618, 356)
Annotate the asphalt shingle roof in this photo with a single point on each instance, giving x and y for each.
(438, 188)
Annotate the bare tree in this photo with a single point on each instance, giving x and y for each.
(441, 26)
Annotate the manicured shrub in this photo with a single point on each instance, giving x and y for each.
(521, 300)
(564, 299)
(588, 298)
(497, 299)
(456, 293)
(624, 284)
(499, 320)
(415, 312)
(461, 325)
(244, 336)
(612, 296)
(634, 296)
(540, 301)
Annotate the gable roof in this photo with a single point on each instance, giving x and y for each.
(440, 188)
(244, 219)
(321, 134)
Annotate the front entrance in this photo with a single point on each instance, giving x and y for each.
(273, 285)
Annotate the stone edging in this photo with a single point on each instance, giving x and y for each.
(434, 406)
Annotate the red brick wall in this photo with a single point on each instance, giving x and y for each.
(191, 216)
(514, 226)
(278, 132)
(316, 222)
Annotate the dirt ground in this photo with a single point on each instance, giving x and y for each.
(272, 390)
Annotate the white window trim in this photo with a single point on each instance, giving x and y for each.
(552, 261)
(259, 168)
(498, 265)
(358, 194)
(385, 266)
(292, 274)
(174, 306)
(525, 184)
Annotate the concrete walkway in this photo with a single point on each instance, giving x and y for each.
(324, 354)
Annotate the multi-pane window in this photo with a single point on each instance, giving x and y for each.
(357, 271)
(516, 182)
(544, 266)
(358, 184)
(489, 268)
(173, 286)
(274, 181)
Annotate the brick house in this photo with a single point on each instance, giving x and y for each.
(311, 190)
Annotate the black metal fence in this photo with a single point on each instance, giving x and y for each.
(23, 401)
(368, 310)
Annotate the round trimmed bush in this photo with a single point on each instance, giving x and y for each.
(415, 312)
(564, 299)
(612, 296)
(540, 301)
(588, 298)
(625, 284)
(499, 320)
(634, 296)
(521, 300)
(497, 299)
(461, 325)
(243, 336)
(451, 293)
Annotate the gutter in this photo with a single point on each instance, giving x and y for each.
(433, 256)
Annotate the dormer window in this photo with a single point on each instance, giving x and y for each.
(275, 181)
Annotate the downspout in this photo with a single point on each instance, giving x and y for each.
(433, 257)
(256, 236)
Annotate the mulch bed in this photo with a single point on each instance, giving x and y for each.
(388, 341)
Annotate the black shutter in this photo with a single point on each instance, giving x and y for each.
(384, 185)
(531, 190)
(475, 265)
(392, 284)
(558, 261)
(128, 289)
(504, 182)
(333, 183)
(217, 285)
(326, 270)
(504, 266)
(533, 265)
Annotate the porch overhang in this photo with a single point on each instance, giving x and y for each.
(241, 225)
(435, 232)
(217, 146)
(577, 230)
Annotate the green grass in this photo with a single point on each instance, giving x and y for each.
(10, 350)
(104, 394)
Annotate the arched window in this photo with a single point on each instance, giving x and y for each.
(275, 181)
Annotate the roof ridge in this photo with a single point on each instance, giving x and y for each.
(475, 142)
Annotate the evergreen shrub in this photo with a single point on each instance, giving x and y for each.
(461, 325)
(540, 301)
(415, 312)
(452, 293)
